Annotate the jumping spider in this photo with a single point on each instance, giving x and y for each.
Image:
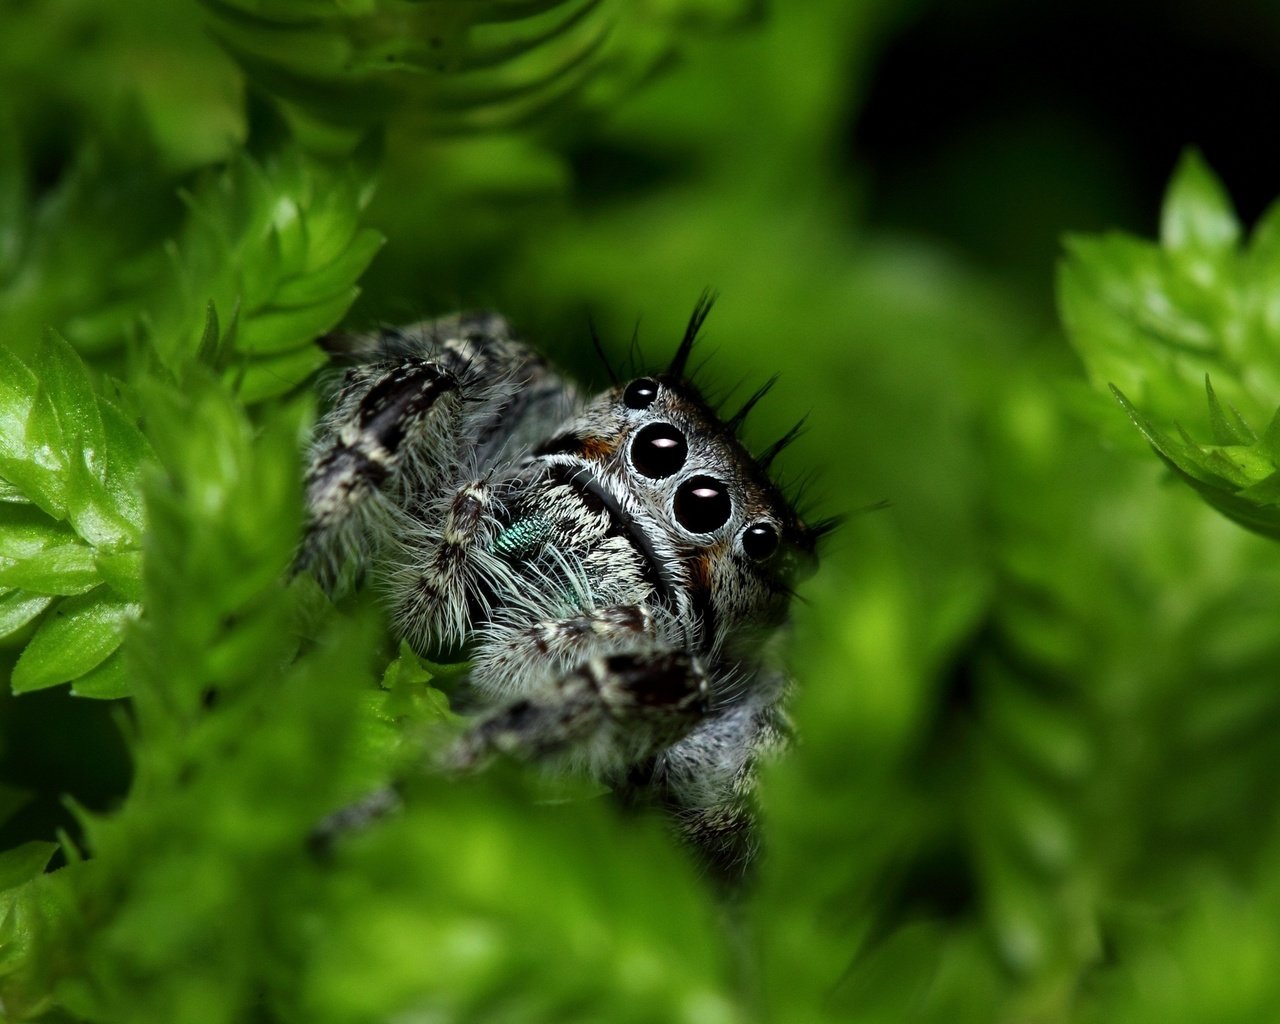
(616, 568)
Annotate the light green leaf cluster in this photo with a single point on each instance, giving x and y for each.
(71, 521)
(1154, 321)
(265, 263)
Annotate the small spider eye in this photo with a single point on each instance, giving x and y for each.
(760, 540)
(640, 393)
(659, 450)
(702, 504)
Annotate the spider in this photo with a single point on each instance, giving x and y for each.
(616, 568)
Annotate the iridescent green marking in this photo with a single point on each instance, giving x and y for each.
(523, 537)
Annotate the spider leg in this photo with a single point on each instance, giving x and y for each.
(706, 783)
(444, 572)
(422, 401)
(517, 658)
(365, 456)
(607, 713)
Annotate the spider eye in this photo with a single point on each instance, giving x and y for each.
(659, 450)
(702, 504)
(640, 393)
(760, 540)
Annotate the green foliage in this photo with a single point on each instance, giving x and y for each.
(67, 259)
(71, 466)
(444, 69)
(1036, 714)
(1153, 321)
(269, 254)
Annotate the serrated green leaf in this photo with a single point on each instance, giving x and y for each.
(109, 681)
(273, 376)
(77, 636)
(323, 283)
(1226, 425)
(279, 330)
(273, 249)
(24, 862)
(1197, 213)
(66, 569)
(17, 609)
(1148, 320)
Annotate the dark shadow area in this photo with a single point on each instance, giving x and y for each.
(996, 125)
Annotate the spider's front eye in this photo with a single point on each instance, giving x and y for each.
(702, 504)
(760, 540)
(659, 450)
(640, 393)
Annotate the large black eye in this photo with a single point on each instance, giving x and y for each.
(659, 450)
(702, 504)
(640, 393)
(760, 540)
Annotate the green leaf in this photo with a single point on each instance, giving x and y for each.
(65, 569)
(25, 531)
(1158, 323)
(266, 262)
(1227, 425)
(1240, 481)
(78, 636)
(122, 571)
(273, 331)
(333, 278)
(81, 461)
(1197, 215)
(71, 397)
(109, 681)
(17, 608)
(272, 376)
(24, 862)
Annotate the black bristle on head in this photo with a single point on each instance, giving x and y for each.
(734, 422)
(596, 344)
(772, 452)
(700, 310)
(635, 354)
(816, 531)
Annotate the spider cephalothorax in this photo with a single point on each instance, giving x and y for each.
(615, 568)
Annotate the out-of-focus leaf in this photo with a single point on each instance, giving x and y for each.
(454, 68)
(1198, 217)
(86, 250)
(23, 862)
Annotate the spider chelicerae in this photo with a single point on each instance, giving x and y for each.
(616, 568)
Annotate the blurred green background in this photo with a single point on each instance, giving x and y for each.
(1038, 712)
